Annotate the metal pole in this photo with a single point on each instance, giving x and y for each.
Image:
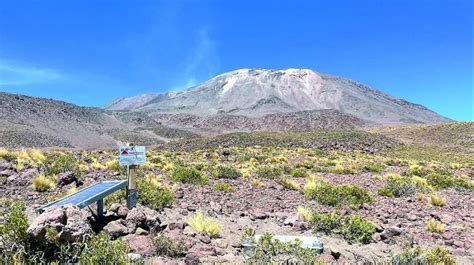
(132, 186)
(100, 207)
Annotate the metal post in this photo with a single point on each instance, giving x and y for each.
(100, 207)
(132, 186)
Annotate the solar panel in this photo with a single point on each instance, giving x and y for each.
(90, 194)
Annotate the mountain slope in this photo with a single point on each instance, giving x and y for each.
(256, 92)
(457, 135)
(36, 122)
(302, 121)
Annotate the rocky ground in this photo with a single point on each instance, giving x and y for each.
(265, 207)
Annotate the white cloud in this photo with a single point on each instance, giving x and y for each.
(204, 53)
(15, 74)
(202, 63)
(190, 82)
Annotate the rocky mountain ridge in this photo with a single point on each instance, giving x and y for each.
(258, 92)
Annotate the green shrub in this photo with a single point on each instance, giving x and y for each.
(353, 228)
(100, 249)
(357, 229)
(326, 222)
(443, 181)
(386, 192)
(417, 255)
(403, 186)
(154, 194)
(169, 248)
(440, 181)
(62, 163)
(189, 176)
(14, 241)
(337, 195)
(225, 187)
(373, 167)
(299, 173)
(13, 230)
(269, 172)
(227, 172)
(17, 247)
(271, 251)
(463, 184)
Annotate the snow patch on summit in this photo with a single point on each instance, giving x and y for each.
(229, 84)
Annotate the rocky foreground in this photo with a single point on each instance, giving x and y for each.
(259, 188)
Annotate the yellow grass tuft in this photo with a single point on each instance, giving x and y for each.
(204, 224)
(37, 156)
(436, 201)
(289, 184)
(377, 177)
(83, 168)
(42, 183)
(305, 212)
(98, 166)
(434, 226)
(256, 182)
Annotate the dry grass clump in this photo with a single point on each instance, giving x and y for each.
(204, 224)
(340, 169)
(37, 156)
(7, 155)
(25, 158)
(436, 201)
(377, 177)
(98, 166)
(113, 165)
(289, 184)
(305, 212)
(42, 183)
(434, 226)
(256, 182)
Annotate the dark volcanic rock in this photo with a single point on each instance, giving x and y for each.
(116, 228)
(140, 244)
(69, 221)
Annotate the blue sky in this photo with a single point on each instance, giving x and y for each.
(90, 52)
